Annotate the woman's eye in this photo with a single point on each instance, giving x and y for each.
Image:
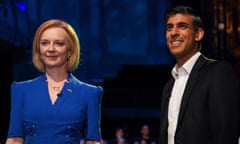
(44, 43)
(60, 43)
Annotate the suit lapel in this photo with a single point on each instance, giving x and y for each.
(164, 105)
(190, 84)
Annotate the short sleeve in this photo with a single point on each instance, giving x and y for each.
(93, 128)
(16, 125)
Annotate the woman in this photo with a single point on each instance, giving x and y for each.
(55, 107)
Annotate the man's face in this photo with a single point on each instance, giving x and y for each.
(181, 37)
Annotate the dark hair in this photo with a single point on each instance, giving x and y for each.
(180, 9)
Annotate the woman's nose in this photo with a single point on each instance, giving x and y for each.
(51, 47)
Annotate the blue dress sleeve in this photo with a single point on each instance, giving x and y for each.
(16, 125)
(93, 128)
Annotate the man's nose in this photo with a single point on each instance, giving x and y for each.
(174, 31)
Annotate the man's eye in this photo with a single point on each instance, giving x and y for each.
(183, 26)
(168, 28)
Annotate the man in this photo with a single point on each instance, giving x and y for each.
(200, 104)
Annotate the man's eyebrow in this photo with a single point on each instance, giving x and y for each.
(179, 23)
(169, 24)
(183, 23)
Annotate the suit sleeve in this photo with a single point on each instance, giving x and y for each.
(224, 104)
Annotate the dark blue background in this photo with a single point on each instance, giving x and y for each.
(111, 32)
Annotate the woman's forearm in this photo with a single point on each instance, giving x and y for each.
(16, 140)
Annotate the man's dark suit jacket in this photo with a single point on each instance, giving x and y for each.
(209, 112)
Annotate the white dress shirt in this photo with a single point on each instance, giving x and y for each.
(181, 76)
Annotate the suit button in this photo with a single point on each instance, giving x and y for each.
(177, 141)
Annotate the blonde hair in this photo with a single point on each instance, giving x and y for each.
(72, 38)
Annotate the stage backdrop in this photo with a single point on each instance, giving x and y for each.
(111, 32)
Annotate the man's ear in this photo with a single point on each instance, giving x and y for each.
(199, 34)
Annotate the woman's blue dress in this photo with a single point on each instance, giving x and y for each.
(76, 114)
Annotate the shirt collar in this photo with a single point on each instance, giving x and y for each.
(186, 67)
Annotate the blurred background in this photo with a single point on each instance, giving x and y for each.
(123, 49)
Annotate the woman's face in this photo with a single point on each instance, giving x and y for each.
(54, 48)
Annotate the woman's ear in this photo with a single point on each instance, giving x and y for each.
(68, 55)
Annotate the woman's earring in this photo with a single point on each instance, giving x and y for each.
(68, 57)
